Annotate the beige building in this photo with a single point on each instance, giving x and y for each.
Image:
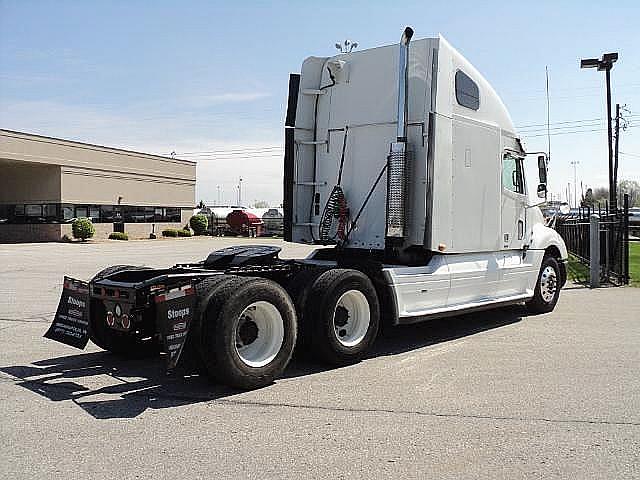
(46, 182)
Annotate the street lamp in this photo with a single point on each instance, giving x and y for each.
(575, 183)
(606, 63)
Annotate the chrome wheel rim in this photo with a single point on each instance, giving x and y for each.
(259, 334)
(351, 318)
(548, 284)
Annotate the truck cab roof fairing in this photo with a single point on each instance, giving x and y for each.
(491, 109)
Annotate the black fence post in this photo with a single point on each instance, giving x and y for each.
(625, 242)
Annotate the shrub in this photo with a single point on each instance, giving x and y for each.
(82, 228)
(184, 233)
(199, 224)
(118, 236)
(170, 232)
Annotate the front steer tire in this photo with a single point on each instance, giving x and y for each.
(247, 332)
(117, 342)
(547, 289)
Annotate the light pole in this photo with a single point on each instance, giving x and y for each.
(606, 63)
(240, 192)
(219, 200)
(575, 183)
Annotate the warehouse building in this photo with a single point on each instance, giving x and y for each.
(47, 182)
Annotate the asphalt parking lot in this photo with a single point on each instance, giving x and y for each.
(491, 395)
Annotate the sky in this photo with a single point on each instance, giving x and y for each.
(208, 80)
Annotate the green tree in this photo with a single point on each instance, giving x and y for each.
(587, 200)
(600, 194)
(82, 228)
(199, 224)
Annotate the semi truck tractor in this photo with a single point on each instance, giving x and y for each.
(403, 165)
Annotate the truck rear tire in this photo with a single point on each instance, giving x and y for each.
(191, 356)
(114, 341)
(343, 314)
(247, 332)
(547, 289)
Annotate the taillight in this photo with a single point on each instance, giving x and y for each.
(110, 320)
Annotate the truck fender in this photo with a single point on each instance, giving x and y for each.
(549, 240)
(543, 238)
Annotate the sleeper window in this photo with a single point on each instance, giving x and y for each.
(467, 92)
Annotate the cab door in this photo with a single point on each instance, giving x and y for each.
(513, 271)
(513, 205)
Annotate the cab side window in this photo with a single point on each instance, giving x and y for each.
(512, 176)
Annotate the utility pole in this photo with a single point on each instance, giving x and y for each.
(240, 192)
(617, 149)
(606, 63)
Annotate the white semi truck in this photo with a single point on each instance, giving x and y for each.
(403, 163)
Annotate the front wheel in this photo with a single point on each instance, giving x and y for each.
(547, 289)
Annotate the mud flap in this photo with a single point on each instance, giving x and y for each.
(174, 313)
(71, 322)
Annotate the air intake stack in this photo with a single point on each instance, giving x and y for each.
(398, 159)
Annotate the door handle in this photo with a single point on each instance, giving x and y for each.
(520, 229)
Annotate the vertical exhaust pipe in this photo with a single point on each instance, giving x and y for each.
(403, 73)
(397, 161)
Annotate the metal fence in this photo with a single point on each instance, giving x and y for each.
(612, 235)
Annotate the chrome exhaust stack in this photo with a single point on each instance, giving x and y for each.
(398, 159)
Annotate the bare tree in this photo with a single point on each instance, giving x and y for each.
(631, 188)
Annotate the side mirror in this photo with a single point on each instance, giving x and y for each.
(542, 170)
(542, 191)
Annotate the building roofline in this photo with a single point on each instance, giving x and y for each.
(96, 146)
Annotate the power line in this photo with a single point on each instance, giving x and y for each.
(566, 127)
(521, 127)
(230, 154)
(558, 123)
(222, 157)
(576, 131)
(231, 150)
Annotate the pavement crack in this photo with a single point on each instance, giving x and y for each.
(390, 411)
(426, 414)
(38, 319)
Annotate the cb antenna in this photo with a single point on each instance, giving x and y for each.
(546, 69)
